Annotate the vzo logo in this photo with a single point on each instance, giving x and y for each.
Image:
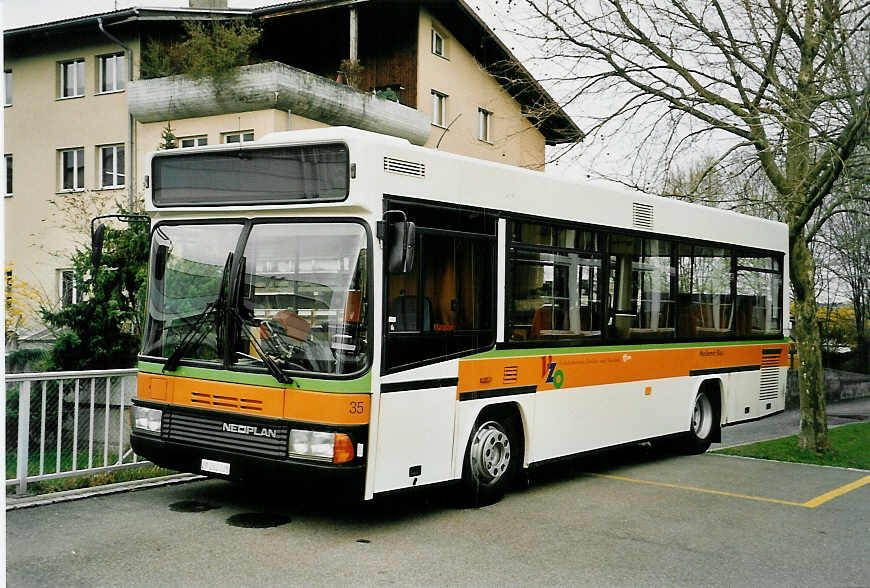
(555, 377)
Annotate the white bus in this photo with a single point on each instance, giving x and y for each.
(342, 307)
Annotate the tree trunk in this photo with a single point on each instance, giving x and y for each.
(814, 427)
(862, 343)
(863, 353)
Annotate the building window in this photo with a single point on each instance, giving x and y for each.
(72, 78)
(9, 175)
(72, 169)
(239, 137)
(199, 141)
(439, 109)
(7, 78)
(112, 166)
(484, 124)
(112, 72)
(67, 289)
(438, 47)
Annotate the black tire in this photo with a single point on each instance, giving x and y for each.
(491, 460)
(705, 419)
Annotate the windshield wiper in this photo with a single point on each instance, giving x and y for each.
(267, 360)
(197, 333)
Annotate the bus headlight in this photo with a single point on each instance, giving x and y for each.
(334, 447)
(316, 444)
(147, 419)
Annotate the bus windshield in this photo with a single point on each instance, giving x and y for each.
(295, 298)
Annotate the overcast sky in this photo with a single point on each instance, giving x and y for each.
(18, 13)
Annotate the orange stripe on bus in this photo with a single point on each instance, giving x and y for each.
(570, 370)
(287, 403)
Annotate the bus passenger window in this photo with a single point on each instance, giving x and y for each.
(759, 292)
(641, 289)
(540, 295)
(705, 277)
(687, 322)
(555, 293)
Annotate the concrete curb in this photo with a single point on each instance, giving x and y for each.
(13, 503)
(798, 463)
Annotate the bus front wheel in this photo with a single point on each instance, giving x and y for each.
(490, 462)
(704, 421)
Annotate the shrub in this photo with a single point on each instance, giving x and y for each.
(210, 50)
(103, 329)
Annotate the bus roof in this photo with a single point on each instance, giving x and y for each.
(392, 166)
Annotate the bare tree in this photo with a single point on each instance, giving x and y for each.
(846, 241)
(737, 186)
(783, 80)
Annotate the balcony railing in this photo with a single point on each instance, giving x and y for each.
(275, 85)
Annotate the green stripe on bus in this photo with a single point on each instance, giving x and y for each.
(359, 385)
(605, 348)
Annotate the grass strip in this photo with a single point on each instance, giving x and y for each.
(849, 449)
(93, 480)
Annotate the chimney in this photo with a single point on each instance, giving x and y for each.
(208, 4)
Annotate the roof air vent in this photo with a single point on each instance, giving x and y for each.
(642, 215)
(405, 168)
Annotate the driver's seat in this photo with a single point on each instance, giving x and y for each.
(292, 325)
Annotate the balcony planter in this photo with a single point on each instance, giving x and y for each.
(275, 85)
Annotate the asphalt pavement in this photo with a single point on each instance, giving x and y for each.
(780, 425)
(630, 517)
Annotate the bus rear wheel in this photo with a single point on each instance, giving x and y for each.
(704, 421)
(490, 462)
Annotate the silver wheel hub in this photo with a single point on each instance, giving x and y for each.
(490, 453)
(702, 417)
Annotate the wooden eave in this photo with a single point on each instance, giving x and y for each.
(464, 24)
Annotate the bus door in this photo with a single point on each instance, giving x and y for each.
(437, 311)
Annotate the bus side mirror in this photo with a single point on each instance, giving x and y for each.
(98, 234)
(160, 261)
(401, 240)
(97, 238)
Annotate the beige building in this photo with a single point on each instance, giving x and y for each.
(76, 107)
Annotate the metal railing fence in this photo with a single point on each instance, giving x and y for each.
(61, 424)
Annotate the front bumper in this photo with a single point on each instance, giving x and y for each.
(189, 436)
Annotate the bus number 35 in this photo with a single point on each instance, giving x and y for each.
(357, 407)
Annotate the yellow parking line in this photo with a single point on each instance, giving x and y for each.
(695, 489)
(819, 500)
(812, 503)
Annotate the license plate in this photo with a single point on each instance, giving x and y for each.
(215, 467)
